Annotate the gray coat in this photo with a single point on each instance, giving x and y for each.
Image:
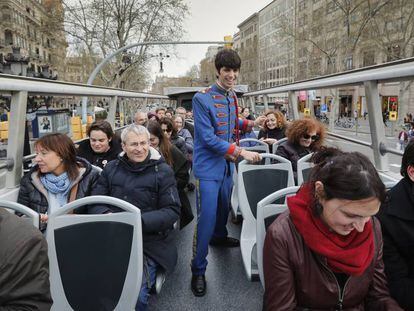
(24, 266)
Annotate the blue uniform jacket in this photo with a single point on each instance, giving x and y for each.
(214, 124)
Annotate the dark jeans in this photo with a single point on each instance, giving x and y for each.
(149, 274)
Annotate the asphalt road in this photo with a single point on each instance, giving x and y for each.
(394, 161)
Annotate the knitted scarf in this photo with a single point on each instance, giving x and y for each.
(350, 254)
(59, 185)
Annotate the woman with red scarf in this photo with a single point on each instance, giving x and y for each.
(325, 252)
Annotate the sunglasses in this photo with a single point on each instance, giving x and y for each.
(313, 137)
(167, 131)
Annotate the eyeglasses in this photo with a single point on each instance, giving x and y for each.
(313, 137)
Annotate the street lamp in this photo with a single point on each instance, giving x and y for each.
(160, 57)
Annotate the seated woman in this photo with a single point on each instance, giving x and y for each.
(397, 223)
(102, 145)
(170, 132)
(325, 251)
(274, 128)
(57, 178)
(304, 136)
(184, 133)
(178, 163)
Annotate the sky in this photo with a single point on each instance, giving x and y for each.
(209, 20)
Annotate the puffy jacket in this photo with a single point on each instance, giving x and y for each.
(298, 279)
(397, 223)
(151, 187)
(24, 266)
(34, 195)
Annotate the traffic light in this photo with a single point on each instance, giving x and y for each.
(229, 40)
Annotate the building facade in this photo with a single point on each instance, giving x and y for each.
(31, 35)
(248, 50)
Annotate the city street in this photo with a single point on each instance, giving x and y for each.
(363, 134)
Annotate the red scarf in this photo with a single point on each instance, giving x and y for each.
(350, 254)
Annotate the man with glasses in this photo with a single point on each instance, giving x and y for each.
(141, 177)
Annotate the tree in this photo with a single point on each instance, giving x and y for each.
(103, 26)
(393, 33)
(326, 38)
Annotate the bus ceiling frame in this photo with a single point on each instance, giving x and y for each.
(369, 78)
(99, 67)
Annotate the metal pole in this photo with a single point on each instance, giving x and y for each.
(112, 111)
(252, 104)
(334, 110)
(266, 102)
(99, 67)
(16, 139)
(376, 125)
(293, 105)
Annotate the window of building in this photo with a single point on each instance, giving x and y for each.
(368, 58)
(349, 63)
(331, 7)
(393, 52)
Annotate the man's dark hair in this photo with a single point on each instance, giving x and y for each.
(227, 58)
(407, 159)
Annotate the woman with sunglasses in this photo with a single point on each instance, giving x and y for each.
(304, 136)
(171, 133)
(325, 251)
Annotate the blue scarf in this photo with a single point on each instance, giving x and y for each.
(59, 185)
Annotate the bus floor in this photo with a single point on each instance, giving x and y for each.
(227, 285)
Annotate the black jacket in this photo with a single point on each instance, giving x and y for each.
(276, 133)
(24, 266)
(99, 159)
(292, 152)
(190, 127)
(33, 194)
(397, 222)
(152, 188)
(180, 167)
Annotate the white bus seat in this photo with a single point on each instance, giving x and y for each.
(304, 168)
(95, 260)
(20, 208)
(8, 194)
(267, 211)
(256, 182)
(277, 144)
(260, 147)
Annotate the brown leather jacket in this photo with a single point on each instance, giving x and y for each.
(298, 279)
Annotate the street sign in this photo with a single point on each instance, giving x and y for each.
(306, 111)
(393, 116)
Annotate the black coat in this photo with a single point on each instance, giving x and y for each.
(152, 188)
(292, 152)
(397, 221)
(276, 133)
(33, 194)
(99, 159)
(180, 167)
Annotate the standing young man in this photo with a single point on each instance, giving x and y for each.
(215, 121)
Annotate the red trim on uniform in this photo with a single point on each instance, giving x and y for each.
(231, 149)
(221, 115)
(219, 106)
